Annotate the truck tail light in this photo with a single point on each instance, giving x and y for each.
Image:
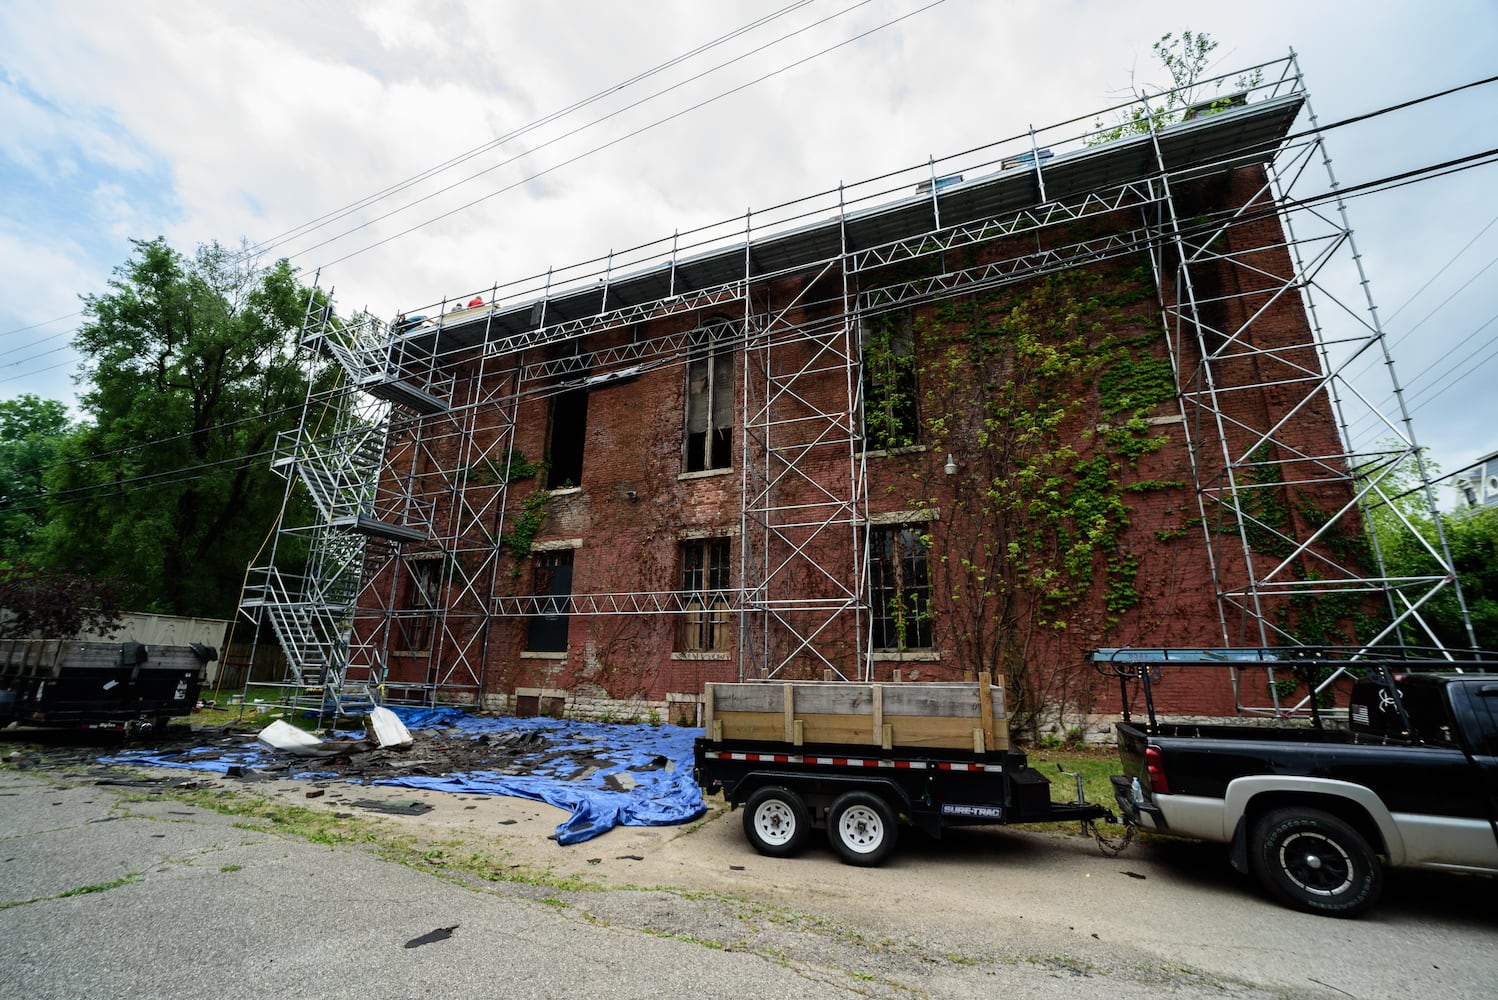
(1154, 763)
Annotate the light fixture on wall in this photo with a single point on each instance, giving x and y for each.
(951, 467)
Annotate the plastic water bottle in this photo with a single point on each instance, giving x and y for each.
(1135, 792)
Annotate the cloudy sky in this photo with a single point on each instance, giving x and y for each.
(297, 126)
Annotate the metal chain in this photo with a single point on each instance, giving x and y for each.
(1113, 848)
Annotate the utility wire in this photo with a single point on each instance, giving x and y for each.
(598, 121)
(516, 133)
(1442, 270)
(38, 326)
(1247, 218)
(333, 216)
(1359, 190)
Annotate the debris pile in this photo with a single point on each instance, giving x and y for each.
(603, 774)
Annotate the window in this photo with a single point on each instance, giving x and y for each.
(422, 602)
(890, 416)
(900, 587)
(704, 582)
(569, 425)
(552, 582)
(710, 399)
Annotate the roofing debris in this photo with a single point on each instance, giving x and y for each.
(603, 774)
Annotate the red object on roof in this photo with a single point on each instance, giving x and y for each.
(476, 301)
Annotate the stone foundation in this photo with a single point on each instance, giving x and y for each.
(676, 709)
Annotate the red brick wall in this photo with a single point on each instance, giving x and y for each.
(634, 444)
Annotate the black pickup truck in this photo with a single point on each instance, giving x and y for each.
(1316, 813)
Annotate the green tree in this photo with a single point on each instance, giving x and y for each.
(55, 604)
(1185, 58)
(31, 432)
(1404, 530)
(193, 370)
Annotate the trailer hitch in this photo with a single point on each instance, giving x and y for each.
(1109, 846)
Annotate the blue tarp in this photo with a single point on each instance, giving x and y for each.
(605, 775)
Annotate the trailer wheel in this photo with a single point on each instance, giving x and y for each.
(776, 821)
(1312, 861)
(861, 828)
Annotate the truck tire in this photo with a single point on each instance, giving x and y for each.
(1312, 861)
(861, 828)
(776, 821)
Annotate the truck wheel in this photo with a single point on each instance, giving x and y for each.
(1312, 861)
(861, 828)
(776, 821)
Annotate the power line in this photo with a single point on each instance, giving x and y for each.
(1444, 302)
(37, 326)
(1455, 367)
(598, 121)
(1442, 270)
(335, 215)
(516, 133)
(1369, 187)
(37, 371)
(1357, 190)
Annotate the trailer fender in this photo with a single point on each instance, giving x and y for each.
(1249, 794)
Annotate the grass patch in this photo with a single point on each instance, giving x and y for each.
(1095, 764)
(455, 860)
(269, 816)
(84, 890)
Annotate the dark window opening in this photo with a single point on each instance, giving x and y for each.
(710, 400)
(551, 581)
(704, 584)
(569, 426)
(891, 418)
(422, 602)
(900, 588)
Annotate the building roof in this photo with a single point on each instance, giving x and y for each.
(1231, 138)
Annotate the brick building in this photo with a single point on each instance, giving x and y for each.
(984, 419)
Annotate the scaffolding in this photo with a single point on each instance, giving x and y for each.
(409, 456)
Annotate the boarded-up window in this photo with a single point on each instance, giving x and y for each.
(419, 622)
(552, 582)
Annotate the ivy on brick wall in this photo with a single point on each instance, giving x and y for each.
(523, 529)
(525, 526)
(1044, 391)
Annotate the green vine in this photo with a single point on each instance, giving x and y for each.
(524, 528)
(1045, 392)
(491, 472)
(889, 399)
(1055, 499)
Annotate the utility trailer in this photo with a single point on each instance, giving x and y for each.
(858, 760)
(127, 686)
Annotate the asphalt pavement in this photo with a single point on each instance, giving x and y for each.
(131, 890)
(107, 897)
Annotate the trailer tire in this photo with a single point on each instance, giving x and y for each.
(1311, 860)
(861, 828)
(776, 821)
